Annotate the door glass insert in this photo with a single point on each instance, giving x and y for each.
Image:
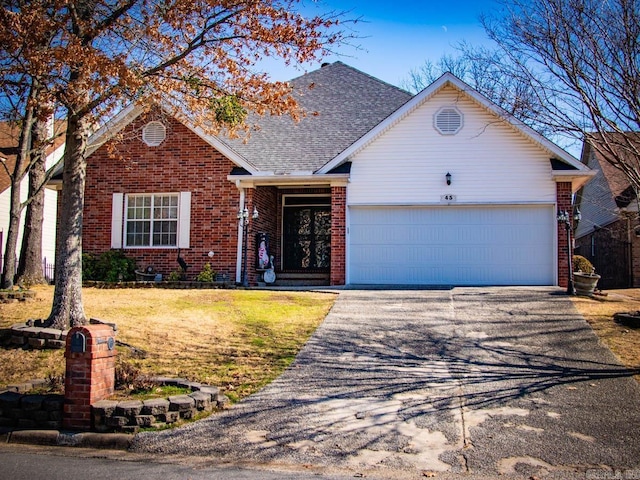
(307, 238)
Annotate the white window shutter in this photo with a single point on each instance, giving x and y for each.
(184, 220)
(117, 212)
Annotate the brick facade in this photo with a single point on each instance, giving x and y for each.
(563, 198)
(183, 162)
(338, 235)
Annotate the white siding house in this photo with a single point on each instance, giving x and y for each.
(451, 191)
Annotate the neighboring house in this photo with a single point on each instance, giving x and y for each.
(8, 149)
(608, 233)
(379, 187)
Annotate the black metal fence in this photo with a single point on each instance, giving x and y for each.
(48, 269)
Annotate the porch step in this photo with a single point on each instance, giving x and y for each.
(301, 279)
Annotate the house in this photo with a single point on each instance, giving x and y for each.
(8, 149)
(378, 187)
(608, 233)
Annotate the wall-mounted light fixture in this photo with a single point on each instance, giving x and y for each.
(243, 219)
(448, 177)
(564, 218)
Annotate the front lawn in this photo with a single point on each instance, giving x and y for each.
(623, 341)
(238, 340)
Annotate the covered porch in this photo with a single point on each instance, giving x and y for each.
(294, 226)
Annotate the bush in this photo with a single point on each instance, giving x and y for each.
(128, 377)
(111, 266)
(207, 274)
(581, 264)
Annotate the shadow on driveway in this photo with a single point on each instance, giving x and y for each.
(488, 381)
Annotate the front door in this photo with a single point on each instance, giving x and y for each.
(306, 237)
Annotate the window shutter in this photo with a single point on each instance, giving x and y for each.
(117, 205)
(184, 220)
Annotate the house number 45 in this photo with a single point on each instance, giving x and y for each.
(447, 198)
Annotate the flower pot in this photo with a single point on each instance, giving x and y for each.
(585, 283)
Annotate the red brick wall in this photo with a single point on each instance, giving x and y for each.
(338, 235)
(183, 162)
(265, 199)
(89, 375)
(563, 198)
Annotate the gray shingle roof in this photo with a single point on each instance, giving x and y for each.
(349, 104)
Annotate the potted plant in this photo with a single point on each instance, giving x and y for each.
(584, 277)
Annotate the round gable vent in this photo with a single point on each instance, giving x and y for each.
(448, 120)
(154, 133)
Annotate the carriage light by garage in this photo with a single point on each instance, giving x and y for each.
(448, 177)
(563, 217)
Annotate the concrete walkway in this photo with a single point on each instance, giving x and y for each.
(446, 383)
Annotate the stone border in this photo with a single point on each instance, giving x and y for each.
(45, 411)
(192, 285)
(27, 335)
(7, 296)
(130, 415)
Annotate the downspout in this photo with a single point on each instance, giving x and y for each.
(240, 240)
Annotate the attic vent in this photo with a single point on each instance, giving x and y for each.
(154, 133)
(448, 120)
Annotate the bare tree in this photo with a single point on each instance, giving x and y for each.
(581, 60)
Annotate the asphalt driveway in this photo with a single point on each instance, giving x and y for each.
(414, 383)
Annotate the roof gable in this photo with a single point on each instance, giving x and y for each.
(450, 80)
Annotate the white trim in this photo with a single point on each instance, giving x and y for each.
(239, 251)
(251, 181)
(424, 95)
(112, 127)
(184, 220)
(117, 220)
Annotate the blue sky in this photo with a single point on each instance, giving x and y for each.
(399, 36)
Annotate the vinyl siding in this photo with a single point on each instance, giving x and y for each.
(489, 161)
(597, 206)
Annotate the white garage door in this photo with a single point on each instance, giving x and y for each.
(484, 245)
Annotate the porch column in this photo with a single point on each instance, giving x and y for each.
(563, 200)
(338, 235)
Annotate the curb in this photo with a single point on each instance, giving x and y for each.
(111, 441)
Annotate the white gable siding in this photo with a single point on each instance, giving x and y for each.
(489, 161)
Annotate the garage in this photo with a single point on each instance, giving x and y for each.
(452, 245)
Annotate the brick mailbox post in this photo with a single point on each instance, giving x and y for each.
(90, 372)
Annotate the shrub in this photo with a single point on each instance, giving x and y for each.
(128, 377)
(176, 276)
(207, 274)
(110, 266)
(581, 264)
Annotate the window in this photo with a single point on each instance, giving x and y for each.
(150, 220)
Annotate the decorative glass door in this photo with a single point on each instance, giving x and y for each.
(307, 238)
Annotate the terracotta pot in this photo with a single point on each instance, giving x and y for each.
(585, 283)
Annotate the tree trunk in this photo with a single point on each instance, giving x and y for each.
(67, 310)
(30, 270)
(15, 206)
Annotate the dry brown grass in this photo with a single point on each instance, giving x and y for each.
(623, 341)
(236, 339)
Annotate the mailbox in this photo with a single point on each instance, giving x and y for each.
(90, 372)
(78, 343)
